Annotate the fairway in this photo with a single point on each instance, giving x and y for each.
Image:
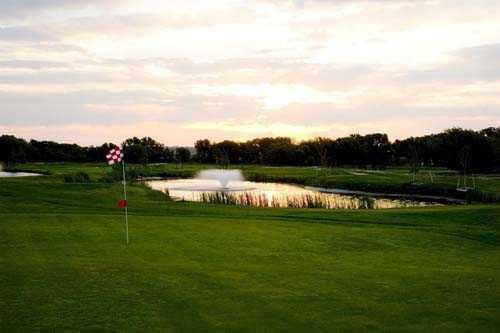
(194, 267)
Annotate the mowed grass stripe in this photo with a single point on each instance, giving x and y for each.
(297, 266)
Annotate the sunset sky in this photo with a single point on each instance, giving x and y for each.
(92, 71)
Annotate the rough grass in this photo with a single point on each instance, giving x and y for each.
(194, 267)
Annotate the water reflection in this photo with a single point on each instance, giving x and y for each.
(253, 194)
(5, 174)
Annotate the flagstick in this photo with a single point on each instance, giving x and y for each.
(125, 198)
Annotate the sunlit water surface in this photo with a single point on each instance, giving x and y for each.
(5, 174)
(247, 193)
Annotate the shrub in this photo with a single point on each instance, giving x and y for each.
(132, 173)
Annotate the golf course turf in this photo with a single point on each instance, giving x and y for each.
(194, 267)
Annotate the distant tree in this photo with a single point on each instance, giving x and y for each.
(12, 150)
(322, 149)
(97, 154)
(145, 150)
(276, 151)
(135, 153)
(414, 160)
(49, 151)
(226, 152)
(252, 151)
(309, 154)
(377, 150)
(182, 155)
(493, 136)
(282, 151)
(444, 149)
(463, 159)
(204, 151)
(480, 150)
(348, 151)
(249, 152)
(157, 152)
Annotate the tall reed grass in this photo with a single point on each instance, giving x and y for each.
(318, 200)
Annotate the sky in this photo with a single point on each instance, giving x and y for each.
(94, 71)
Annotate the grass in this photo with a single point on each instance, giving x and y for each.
(197, 267)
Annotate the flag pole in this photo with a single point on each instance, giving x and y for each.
(125, 198)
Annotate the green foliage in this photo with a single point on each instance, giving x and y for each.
(372, 150)
(12, 150)
(145, 150)
(77, 177)
(226, 152)
(466, 151)
(204, 151)
(182, 155)
(133, 172)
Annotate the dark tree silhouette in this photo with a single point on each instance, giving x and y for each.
(445, 149)
(12, 150)
(182, 155)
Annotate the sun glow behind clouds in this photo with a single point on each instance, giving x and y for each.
(279, 95)
(250, 130)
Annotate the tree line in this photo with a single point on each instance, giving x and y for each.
(456, 148)
(141, 151)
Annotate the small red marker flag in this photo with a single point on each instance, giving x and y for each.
(122, 203)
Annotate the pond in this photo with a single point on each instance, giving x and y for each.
(6, 174)
(256, 194)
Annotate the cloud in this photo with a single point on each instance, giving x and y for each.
(471, 64)
(22, 34)
(181, 70)
(31, 64)
(18, 9)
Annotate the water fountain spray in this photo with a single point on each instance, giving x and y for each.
(223, 176)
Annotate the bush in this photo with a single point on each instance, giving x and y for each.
(78, 177)
(132, 173)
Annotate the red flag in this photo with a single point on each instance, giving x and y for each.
(122, 203)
